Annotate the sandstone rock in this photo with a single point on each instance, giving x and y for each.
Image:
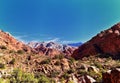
(7, 40)
(65, 64)
(112, 76)
(86, 79)
(93, 68)
(105, 44)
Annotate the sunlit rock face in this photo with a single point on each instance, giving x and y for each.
(106, 42)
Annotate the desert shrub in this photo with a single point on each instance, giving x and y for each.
(70, 71)
(70, 81)
(12, 61)
(57, 63)
(46, 61)
(45, 79)
(2, 66)
(20, 51)
(12, 51)
(3, 47)
(61, 56)
(97, 76)
(54, 74)
(98, 65)
(19, 76)
(65, 75)
(71, 60)
(81, 72)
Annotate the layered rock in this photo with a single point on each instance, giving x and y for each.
(107, 42)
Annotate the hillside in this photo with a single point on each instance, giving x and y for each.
(107, 43)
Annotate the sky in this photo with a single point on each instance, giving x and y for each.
(64, 21)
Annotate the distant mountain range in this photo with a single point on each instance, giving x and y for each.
(52, 48)
(75, 44)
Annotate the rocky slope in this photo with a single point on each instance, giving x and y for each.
(9, 42)
(52, 48)
(107, 42)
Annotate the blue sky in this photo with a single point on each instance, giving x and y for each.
(57, 20)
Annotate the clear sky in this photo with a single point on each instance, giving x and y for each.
(57, 20)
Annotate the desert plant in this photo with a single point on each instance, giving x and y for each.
(54, 74)
(65, 75)
(20, 51)
(46, 61)
(18, 76)
(71, 60)
(2, 66)
(45, 79)
(12, 61)
(3, 47)
(70, 71)
(57, 63)
(12, 51)
(61, 56)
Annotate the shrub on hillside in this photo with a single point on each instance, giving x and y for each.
(20, 51)
(19, 76)
(57, 63)
(46, 61)
(3, 47)
(2, 66)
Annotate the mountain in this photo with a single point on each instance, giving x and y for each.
(107, 42)
(75, 44)
(9, 42)
(52, 48)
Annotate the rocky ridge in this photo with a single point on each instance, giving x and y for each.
(52, 48)
(107, 42)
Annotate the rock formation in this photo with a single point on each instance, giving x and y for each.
(107, 42)
(112, 76)
(52, 48)
(8, 41)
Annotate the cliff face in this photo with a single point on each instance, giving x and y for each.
(106, 42)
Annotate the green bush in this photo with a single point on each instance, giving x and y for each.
(70, 71)
(2, 66)
(59, 56)
(57, 63)
(54, 74)
(71, 60)
(19, 76)
(45, 79)
(20, 51)
(65, 75)
(12, 61)
(12, 51)
(46, 61)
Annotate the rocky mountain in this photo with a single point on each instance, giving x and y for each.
(107, 42)
(52, 48)
(9, 42)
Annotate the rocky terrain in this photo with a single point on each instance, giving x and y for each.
(52, 48)
(96, 61)
(107, 42)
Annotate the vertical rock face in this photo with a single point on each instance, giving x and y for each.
(112, 77)
(106, 42)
